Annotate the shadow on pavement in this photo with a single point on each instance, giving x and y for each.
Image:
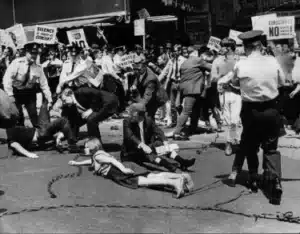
(2, 193)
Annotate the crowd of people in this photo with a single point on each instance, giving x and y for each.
(252, 85)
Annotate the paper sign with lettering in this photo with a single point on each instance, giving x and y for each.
(126, 60)
(77, 37)
(235, 36)
(6, 40)
(281, 28)
(17, 34)
(45, 34)
(139, 27)
(261, 22)
(214, 43)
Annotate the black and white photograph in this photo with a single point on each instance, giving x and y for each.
(149, 116)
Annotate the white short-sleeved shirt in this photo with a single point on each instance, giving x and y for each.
(259, 77)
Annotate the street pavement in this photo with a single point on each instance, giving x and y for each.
(89, 204)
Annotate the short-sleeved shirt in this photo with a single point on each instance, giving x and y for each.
(260, 77)
(21, 135)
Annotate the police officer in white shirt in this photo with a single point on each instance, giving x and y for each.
(259, 78)
(22, 81)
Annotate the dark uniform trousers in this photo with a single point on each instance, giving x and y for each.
(261, 127)
(28, 99)
(48, 128)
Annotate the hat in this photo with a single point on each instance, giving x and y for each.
(32, 48)
(137, 107)
(95, 46)
(251, 36)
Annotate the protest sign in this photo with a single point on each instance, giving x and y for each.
(17, 34)
(45, 34)
(126, 60)
(139, 27)
(235, 36)
(281, 28)
(6, 40)
(214, 43)
(261, 22)
(77, 37)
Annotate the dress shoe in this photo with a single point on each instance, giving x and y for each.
(180, 137)
(188, 183)
(185, 163)
(228, 149)
(253, 186)
(276, 192)
(179, 188)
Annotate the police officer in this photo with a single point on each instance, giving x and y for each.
(22, 81)
(259, 78)
(69, 65)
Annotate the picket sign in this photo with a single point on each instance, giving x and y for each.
(127, 60)
(139, 27)
(214, 43)
(281, 28)
(77, 37)
(93, 74)
(261, 22)
(18, 35)
(233, 34)
(6, 40)
(45, 34)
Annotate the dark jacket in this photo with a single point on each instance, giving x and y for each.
(132, 136)
(97, 100)
(150, 89)
(192, 76)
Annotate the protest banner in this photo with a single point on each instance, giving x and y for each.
(77, 37)
(126, 60)
(17, 34)
(261, 22)
(281, 28)
(214, 44)
(45, 34)
(235, 36)
(6, 40)
(139, 27)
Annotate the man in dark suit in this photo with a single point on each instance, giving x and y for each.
(192, 85)
(142, 136)
(147, 88)
(88, 106)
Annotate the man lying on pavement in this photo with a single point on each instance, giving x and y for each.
(21, 139)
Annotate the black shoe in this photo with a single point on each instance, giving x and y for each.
(276, 193)
(253, 185)
(180, 137)
(186, 163)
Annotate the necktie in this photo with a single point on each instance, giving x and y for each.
(27, 76)
(73, 66)
(142, 132)
(176, 68)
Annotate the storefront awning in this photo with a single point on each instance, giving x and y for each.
(102, 19)
(162, 18)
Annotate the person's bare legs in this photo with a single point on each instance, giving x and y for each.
(188, 182)
(152, 180)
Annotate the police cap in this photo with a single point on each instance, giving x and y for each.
(32, 48)
(251, 36)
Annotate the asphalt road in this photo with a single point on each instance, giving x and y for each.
(89, 204)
